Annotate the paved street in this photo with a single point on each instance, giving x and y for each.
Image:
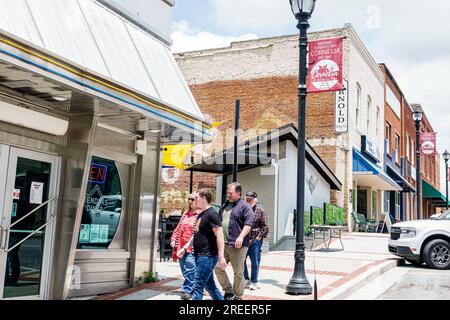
(407, 282)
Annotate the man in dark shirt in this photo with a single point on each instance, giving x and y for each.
(208, 247)
(237, 217)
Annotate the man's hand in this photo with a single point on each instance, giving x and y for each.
(181, 253)
(238, 243)
(222, 263)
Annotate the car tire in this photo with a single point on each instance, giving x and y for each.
(437, 254)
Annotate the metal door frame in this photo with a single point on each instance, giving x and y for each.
(14, 154)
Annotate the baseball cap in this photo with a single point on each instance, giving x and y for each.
(251, 194)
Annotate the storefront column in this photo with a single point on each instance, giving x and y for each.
(74, 177)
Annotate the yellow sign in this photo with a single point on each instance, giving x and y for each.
(176, 155)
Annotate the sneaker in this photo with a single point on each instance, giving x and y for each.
(253, 286)
(248, 282)
(229, 296)
(185, 296)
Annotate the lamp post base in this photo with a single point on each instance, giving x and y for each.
(299, 287)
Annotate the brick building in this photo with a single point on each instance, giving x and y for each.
(263, 74)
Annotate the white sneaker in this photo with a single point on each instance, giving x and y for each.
(248, 284)
(254, 286)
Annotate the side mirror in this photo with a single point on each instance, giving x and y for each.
(118, 210)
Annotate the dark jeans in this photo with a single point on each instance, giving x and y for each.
(204, 278)
(187, 265)
(254, 252)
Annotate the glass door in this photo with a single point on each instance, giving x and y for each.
(28, 215)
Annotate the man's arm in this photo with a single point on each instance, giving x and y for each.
(248, 218)
(220, 247)
(264, 227)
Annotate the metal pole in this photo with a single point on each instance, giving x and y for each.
(419, 205)
(446, 184)
(236, 136)
(299, 283)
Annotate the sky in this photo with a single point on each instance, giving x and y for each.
(412, 40)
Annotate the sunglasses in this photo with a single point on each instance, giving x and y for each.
(191, 199)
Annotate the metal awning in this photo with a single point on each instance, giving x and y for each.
(83, 41)
(371, 175)
(431, 193)
(223, 163)
(407, 187)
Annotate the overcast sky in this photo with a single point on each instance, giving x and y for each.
(413, 40)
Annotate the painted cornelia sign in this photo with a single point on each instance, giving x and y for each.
(341, 109)
(428, 144)
(370, 149)
(325, 65)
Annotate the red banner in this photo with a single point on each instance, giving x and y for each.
(325, 65)
(428, 144)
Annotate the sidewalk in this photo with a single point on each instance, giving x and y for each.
(338, 273)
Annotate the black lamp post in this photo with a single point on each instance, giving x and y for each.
(299, 284)
(446, 156)
(417, 116)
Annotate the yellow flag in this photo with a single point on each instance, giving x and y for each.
(176, 155)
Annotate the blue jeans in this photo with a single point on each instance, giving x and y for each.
(254, 252)
(204, 278)
(187, 265)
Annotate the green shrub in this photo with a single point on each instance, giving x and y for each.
(148, 277)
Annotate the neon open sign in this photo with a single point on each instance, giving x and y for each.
(97, 174)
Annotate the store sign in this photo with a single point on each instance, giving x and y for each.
(370, 148)
(97, 174)
(428, 144)
(325, 65)
(341, 109)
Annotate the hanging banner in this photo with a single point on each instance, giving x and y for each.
(325, 65)
(428, 144)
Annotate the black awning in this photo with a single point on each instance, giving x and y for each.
(223, 163)
(398, 178)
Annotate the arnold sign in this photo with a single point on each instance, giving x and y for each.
(325, 65)
(428, 144)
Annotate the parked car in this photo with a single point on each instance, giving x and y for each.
(423, 241)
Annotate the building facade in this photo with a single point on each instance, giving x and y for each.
(82, 122)
(263, 74)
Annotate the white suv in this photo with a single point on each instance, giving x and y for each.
(423, 241)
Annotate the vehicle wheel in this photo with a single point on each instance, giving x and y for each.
(415, 262)
(437, 254)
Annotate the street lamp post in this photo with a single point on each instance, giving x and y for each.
(446, 156)
(299, 284)
(417, 116)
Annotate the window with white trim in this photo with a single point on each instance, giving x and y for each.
(369, 111)
(358, 104)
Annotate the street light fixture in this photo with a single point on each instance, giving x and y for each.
(302, 10)
(446, 156)
(417, 116)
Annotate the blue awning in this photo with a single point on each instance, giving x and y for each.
(407, 187)
(369, 174)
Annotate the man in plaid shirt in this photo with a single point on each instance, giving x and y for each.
(259, 231)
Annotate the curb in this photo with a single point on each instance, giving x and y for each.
(349, 287)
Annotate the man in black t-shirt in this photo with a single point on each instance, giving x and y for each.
(208, 247)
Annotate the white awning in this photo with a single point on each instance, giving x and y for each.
(96, 39)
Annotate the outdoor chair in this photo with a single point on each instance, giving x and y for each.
(364, 225)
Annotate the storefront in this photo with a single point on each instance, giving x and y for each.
(81, 127)
(370, 183)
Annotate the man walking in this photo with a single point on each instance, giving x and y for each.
(237, 219)
(208, 247)
(260, 230)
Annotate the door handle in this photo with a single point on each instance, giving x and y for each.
(3, 238)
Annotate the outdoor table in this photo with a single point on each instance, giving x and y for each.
(320, 232)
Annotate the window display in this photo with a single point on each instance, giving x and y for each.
(102, 206)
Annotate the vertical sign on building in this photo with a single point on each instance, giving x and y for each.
(428, 144)
(325, 65)
(341, 109)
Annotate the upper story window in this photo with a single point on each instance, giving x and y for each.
(369, 111)
(388, 137)
(377, 125)
(358, 104)
(407, 144)
(397, 147)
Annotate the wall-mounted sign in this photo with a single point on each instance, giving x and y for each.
(428, 144)
(341, 109)
(370, 149)
(393, 102)
(97, 174)
(325, 65)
